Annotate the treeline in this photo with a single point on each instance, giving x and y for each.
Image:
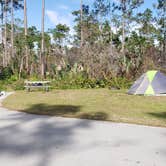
(112, 39)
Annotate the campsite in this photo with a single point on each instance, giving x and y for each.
(83, 83)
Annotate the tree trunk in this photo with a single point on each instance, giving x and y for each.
(21, 67)
(42, 42)
(2, 37)
(81, 17)
(164, 48)
(123, 25)
(164, 42)
(12, 29)
(26, 34)
(111, 35)
(5, 37)
(2, 16)
(123, 35)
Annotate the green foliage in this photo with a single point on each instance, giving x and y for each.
(76, 81)
(18, 85)
(13, 78)
(89, 25)
(6, 73)
(115, 40)
(66, 80)
(101, 7)
(2, 86)
(80, 80)
(119, 83)
(60, 33)
(33, 37)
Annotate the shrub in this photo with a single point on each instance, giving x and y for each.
(120, 83)
(13, 78)
(67, 80)
(6, 73)
(77, 81)
(18, 85)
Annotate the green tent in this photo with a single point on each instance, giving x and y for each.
(151, 83)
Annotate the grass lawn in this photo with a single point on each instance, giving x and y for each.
(98, 104)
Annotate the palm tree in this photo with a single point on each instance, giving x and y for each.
(42, 42)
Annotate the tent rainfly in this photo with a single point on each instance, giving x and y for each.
(150, 83)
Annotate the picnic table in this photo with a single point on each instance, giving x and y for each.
(45, 85)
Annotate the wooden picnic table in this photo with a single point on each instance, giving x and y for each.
(45, 85)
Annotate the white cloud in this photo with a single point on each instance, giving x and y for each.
(64, 7)
(116, 1)
(134, 27)
(58, 18)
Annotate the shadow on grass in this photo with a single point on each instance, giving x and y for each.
(64, 111)
(53, 110)
(160, 115)
(94, 116)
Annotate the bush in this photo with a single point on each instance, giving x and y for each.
(6, 73)
(77, 81)
(67, 80)
(119, 83)
(70, 80)
(13, 78)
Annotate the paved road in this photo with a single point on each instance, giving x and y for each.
(31, 140)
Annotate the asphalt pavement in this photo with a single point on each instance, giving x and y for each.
(33, 140)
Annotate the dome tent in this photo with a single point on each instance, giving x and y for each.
(150, 83)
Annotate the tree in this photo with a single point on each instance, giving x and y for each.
(12, 29)
(42, 42)
(147, 28)
(161, 21)
(90, 26)
(8, 6)
(60, 34)
(26, 34)
(126, 7)
(15, 4)
(101, 10)
(111, 17)
(33, 42)
(2, 2)
(5, 37)
(79, 28)
(81, 20)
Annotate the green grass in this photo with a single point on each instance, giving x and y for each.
(98, 104)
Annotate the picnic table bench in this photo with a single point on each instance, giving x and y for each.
(45, 85)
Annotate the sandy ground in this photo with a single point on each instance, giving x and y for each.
(32, 140)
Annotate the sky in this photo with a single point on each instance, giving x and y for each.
(59, 11)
